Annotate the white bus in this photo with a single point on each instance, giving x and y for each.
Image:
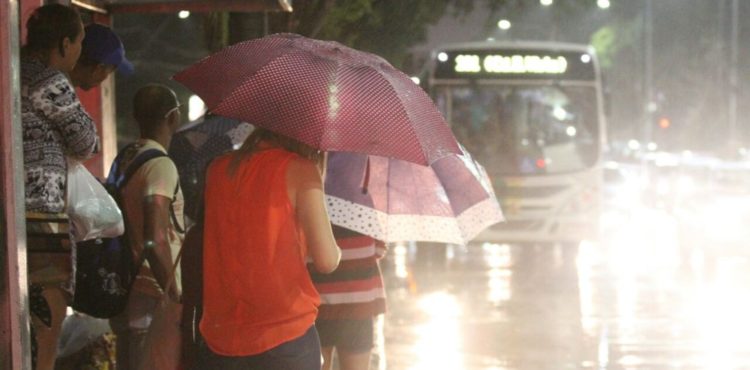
(532, 114)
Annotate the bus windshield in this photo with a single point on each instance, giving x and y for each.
(523, 129)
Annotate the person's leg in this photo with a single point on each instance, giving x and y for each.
(353, 360)
(51, 271)
(136, 347)
(328, 336)
(119, 326)
(122, 351)
(327, 353)
(140, 313)
(130, 329)
(47, 336)
(354, 352)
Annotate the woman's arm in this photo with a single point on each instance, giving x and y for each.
(380, 249)
(74, 124)
(306, 192)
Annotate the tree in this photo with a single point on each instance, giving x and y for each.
(385, 27)
(690, 66)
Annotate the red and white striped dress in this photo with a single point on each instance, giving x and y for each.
(355, 291)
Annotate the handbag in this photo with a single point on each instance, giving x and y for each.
(104, 266)
(164, 337)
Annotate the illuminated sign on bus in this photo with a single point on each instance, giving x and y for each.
(514, 64)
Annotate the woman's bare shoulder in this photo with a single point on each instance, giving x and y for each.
(303, 170)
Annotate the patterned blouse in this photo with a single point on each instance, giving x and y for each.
(55, 125)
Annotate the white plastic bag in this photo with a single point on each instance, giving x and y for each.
(79, 331)
(91, 210)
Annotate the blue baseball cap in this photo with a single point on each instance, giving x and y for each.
(102, 45)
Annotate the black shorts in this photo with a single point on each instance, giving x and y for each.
(347, 335)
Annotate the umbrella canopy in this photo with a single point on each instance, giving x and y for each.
(450, 201)
(194, 145)
(325, 94)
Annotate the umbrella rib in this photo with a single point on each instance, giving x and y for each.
(405, 112)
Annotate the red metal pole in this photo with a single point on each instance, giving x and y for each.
(26, 8)
(14, 324)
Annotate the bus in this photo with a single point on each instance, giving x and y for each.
(532, 113)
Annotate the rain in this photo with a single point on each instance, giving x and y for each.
(596, 212)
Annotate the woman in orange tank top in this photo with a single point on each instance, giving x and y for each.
(264, 215)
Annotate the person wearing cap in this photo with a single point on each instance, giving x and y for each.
(102, 53)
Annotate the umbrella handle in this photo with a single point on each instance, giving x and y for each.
(366, 177)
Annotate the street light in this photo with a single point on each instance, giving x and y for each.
(503, 24)
(196, 108)
(183, 14)
(546, 2)
(603, 4)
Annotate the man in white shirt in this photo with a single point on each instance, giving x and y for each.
(153, 209)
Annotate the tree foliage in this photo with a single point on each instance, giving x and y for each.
(388, 28)
(690, 71)
(690, 45)
(385, 27)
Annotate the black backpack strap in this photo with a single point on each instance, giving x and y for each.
(136, 164)
(121, 181)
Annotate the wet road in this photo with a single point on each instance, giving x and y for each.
(628, 302)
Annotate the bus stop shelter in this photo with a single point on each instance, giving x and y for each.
(14, 323)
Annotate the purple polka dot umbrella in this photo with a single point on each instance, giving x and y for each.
(325, 94)
(450, 201)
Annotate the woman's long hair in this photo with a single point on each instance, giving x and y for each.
(250, 147)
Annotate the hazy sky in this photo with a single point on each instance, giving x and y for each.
(450, 30)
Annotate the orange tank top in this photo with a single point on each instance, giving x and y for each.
(257, 291)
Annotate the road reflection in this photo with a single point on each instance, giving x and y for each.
(439, 333)
(629, 302)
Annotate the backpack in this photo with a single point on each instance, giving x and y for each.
(105, 268)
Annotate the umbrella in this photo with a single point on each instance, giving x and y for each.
(325, 94)
(450, 201)
(194, 145)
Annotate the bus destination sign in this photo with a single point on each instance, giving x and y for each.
(498, 63)
(514, 64)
